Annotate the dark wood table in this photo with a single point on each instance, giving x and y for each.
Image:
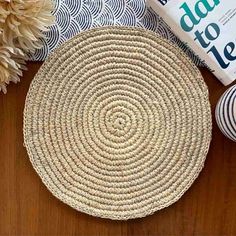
(27, 208)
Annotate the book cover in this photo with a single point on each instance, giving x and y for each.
(206, 26)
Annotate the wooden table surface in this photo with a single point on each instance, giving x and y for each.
(27, 208)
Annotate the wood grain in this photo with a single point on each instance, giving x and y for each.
(27, 208)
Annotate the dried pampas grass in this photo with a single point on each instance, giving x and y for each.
(22, 23)
(11, 65)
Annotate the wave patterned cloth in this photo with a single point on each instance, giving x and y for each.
(74, 16)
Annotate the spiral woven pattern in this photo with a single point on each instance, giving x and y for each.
(117, 122)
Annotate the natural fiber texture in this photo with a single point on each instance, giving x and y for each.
(22, 23)
(11, 65)
(117, 123)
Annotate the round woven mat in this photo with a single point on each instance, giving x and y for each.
(117, 123)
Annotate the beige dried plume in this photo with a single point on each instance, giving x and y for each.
(11, 65)
(22, 23)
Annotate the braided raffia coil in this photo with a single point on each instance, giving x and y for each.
(117, 123)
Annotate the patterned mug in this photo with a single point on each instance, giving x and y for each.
(225, 113)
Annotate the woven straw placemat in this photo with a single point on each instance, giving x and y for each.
(117, 122)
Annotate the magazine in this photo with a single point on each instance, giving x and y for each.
(208, 27)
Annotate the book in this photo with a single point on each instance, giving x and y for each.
(208, 27)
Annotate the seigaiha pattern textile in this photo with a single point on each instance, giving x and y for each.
(74, 16)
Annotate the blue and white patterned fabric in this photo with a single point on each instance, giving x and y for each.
(74, 16)
(226, 113)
